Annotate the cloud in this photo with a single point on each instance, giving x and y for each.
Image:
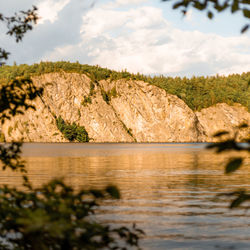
(138, 38)
(47, 36)
(123, 3)
(49, 9)
(128, 2)
(141, 40)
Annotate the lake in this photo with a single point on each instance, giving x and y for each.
(168, 190)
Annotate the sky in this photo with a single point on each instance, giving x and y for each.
(145, 36)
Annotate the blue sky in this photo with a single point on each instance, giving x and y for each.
(143, 36)
(223, 23)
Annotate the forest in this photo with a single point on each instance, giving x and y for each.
(197, 92)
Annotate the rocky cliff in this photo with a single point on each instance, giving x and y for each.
(119, 111)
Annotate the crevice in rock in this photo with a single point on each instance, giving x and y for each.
(128, 130)
(200, 131)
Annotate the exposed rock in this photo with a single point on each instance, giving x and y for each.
(34, 126)
(152, 115)
(118, 111)
(223, 117)
(65, 95)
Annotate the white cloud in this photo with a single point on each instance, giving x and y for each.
(124, 3)
(236, 69)
(140, 39)
(49, 9)
(128, 2)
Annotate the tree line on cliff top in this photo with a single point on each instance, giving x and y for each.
(196, 92)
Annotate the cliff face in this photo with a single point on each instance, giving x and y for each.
(118, 111)
(224, 117)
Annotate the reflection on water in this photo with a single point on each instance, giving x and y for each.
(167, 189)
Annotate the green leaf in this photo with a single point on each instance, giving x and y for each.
(199, 6)
(210, 15)
(113, 191)
(245, 28)
(96, 193)
(177, 5)
(184, 12)
(235, 203)
(241, 197)
(220, 133)
(235, 6)
(233, 165)
(243, 125)
(246, 13)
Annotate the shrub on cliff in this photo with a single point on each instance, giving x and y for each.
(72, 132)
(82, 135)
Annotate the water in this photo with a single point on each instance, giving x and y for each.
(168, 190)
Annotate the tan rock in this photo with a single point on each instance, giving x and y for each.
(222, 117)
(118, 111)
(34, 126)
(151, 114)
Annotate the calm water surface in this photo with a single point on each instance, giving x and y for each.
(167, 189)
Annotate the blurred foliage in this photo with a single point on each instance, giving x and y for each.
(234, 163)
(72, 132)
(16, 97)
(57, 217)
(196, 92)
(53, 216)
(210, 7)
(10, 157)
(17, 25)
